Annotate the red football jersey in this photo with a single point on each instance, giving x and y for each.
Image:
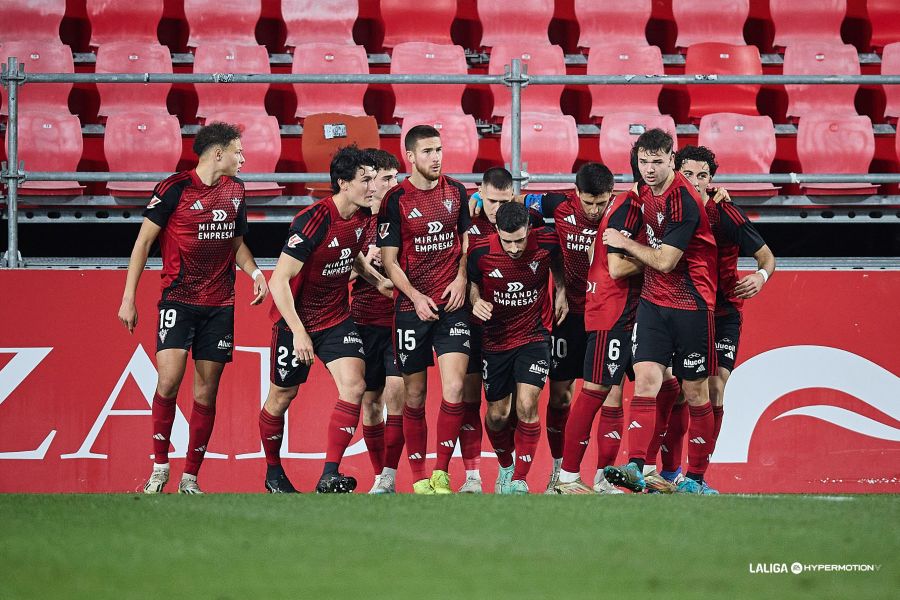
(199, 223)
(612, 303)
(735, 235)
(326, 244)
(517, 289)
(369, 306)
(677, 218)
(427, 226)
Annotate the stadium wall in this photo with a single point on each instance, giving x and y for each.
(813, 405)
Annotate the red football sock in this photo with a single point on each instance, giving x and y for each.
(393, 441)
(415, 431)
(374, 437)
(609, 435)
(718, 413)
(341, 427)
(502, 442)
(578, 429)
(556, 429)
(450, 419)
(271, 432)
(201, 426)
(673, 443)
(700, 438)
(665, 400)
(470, 435)
(527, 436)
(163, 415)
(641, 426)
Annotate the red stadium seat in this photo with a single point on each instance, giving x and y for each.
(529, 21)
(807, 21)
(612, 21)
(742, 144)
(701, 21)
(426, 58)
(541, 60)
(32, 19)
(549, 145)
(121, 20)
(890, 65)
(323, 57)
(459, 138)
(49, 141)
(427, 22)
(325, 21)
(262, 146)
(624, 59)
(326, 133)
(231, 58)
(132, 57)
(619, 132)
(820, 58)
(40, 56)
(884, 16)
(222, 21)
(835, 144)
(722, 59)
(140, 141)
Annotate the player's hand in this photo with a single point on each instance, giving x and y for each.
(475, 205)
(455, 292)
(561, 306)
(749, 286)
(613, 237)
(260, 289)
(374, 256)
(128, 315)
(483, 310)
(426, 309)
(386, 288)
(722, 195)
(303, 348)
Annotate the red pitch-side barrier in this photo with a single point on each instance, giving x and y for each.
(813, 405)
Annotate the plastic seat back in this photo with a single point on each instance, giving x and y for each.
(427, 58)
(132, 57)
(530, 22)
(807, 21)
(541, 60)
(821, 58)
(39, 56)
(326, 133)
(124, 20)
(323, 57)
(612, 21)
(222, 21)
(231, 58)
(49, 141)
(140, 140)
(835, 144)
(426, 22)
(742, 144)
(700, 21)
(722, 59)
(624, 59)
(549, 145)
(325, 21)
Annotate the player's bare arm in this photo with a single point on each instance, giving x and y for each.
(146, 236)
(246, 263)
(362, 267)
(662, 259)
(622, 267)
(752, 284)
(426, 309)
(286, 269)
(456, 291)
(560, 303)
(480, 307)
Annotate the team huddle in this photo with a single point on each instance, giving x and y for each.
(506, 290)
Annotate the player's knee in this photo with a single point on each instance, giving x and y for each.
(453, 391)
(168, 387)
(415, 396)
(495, 419)
(560, 400)
(279, 400)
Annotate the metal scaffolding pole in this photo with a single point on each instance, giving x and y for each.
(516, 80)
(11, 173)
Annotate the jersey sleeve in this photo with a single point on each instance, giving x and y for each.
(545, 204)
(739, 229)
(240, 221)
(627, 219)
(473, 266)
(535, 218)
(548, 240)
(389, 221)
(464, 222)
(684, 216)
(306, 233)
(163, 202)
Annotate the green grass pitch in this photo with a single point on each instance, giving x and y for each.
(308, 546)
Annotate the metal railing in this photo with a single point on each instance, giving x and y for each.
(515, 78)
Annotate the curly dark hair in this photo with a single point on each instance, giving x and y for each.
(698, 153)
(215, 134)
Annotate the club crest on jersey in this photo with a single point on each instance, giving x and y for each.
(294, 240)
(236, 202)
(533, 265)
(359, 231)
(448, 204)
(153, 202)
(383, 230)
(659, 218)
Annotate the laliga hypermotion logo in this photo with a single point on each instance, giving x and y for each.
(761, 381)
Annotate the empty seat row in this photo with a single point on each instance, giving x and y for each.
(147, 141)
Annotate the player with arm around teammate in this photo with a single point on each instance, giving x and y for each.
(200, 218)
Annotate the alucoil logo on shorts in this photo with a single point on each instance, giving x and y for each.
(352, 339)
